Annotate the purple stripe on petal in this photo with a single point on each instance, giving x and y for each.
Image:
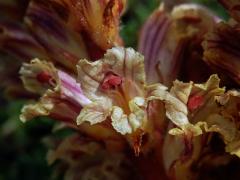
(71, 89)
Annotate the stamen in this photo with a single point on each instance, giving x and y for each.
(195, 102)
(44, 77)
(111, 81)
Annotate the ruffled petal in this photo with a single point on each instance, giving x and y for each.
(124, 63)
(120, 78)
(195, 98)
(95, 112)
(120, 121)
(176, 110)
(127, 63)
(39, 76)
(90, 75)
(212, 114)
(52, 105)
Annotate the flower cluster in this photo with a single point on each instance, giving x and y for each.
(131, 118)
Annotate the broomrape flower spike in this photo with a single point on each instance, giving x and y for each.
(118, 101)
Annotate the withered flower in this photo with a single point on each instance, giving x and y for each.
(83, 158)
(170, 38)
(221, 45)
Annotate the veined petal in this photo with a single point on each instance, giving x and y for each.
(95, 112)
(137, 118)
(120, 78)
(51, 105)
(194, 98)
(176, 110)
(127, 63)
(62, 44)
(17, 41)
(72, 90)
(221, 51)
(97, 20)
(181, 90)
(206, 118)
(167, 37)
(39, 76)
(126, 124)
(120, 121)
(90, 75)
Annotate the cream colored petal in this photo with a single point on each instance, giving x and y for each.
(41, 108)
(137, 118)
(90, 75)
(212, 83)
(176, 110)
(181, 90)
(32, 110)
(38, 76)
(53, 105)
(127, 63)
(95, 112)
(120, 121)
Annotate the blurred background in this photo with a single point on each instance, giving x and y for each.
(22, 147)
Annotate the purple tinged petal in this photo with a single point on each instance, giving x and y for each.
(63, 45)
(71, 89)
(166, 36)
(16, 41)
(41, 76)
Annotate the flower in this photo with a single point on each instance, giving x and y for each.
(211, 111)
